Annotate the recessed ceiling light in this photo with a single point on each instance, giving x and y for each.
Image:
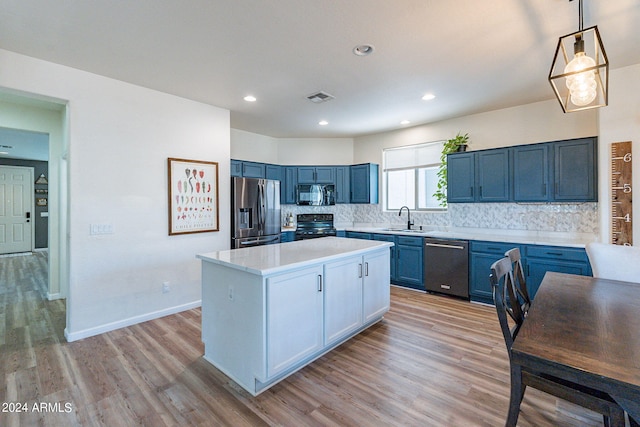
(323, 122)
(363, 49)
(405, 122)
(250, 98)
(428, 97)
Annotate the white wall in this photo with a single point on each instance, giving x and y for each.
(619, 121)
(254, 147)
(315, 151)
(525, 124)
(120, 137)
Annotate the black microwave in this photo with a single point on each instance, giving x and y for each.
(315, 194)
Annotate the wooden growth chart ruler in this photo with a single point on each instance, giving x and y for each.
(621, 208)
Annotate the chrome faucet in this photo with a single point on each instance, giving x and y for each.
(409, 222)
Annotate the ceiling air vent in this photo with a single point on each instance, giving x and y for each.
(320, 97)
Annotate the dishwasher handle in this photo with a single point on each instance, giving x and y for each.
(440, 245)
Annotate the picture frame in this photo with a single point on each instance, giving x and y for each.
(193, 196)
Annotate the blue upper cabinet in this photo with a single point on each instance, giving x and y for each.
(461, 178)
(247, 169)
(492, 168)
(531, 173)
(288, 190)
(316, 175)
(342, 184)
(236, 168)
(364, 183)
(575, 174)
(273, 172)
(558, 171)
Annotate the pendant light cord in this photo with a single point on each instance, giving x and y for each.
(580, 17)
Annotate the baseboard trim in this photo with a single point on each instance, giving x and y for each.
(55, 296)
(86, 333)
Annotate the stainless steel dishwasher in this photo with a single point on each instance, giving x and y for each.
(446, 266)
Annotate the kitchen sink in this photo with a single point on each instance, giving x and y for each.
(404, 230)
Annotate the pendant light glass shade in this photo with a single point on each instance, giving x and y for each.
(580, 71)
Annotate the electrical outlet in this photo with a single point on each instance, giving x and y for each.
(166, 287)
(230, 293)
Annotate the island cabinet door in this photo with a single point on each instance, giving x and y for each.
(294, 317)
(342, 297)
(376, 293)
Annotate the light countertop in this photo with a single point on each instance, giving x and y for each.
(578, 240)
(271, 259)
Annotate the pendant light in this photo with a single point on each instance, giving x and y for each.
(580, 70)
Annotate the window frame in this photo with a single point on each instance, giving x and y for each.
(416, 176)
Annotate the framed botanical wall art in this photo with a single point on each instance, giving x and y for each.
(193, 196)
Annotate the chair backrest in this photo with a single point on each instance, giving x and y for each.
(501, 279)
(519, 279)
(615, 262)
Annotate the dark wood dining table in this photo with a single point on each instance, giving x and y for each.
(586, 330)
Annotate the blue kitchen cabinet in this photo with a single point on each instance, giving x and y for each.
(316, 175)
(492, 168)
(342, 184)
(288, 196)
(287, 236)
(409, 262)
(540, 259)
(273, 172)
(236, 168)
(358, 235)
(393, 257)
(461, 178)
(341, 233)
(247, 169)
(364, 183)
(482, 255)
(481, 176)
(253, 170)
(575, 172)
(531, 173)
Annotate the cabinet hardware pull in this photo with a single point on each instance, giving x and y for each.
(437, 245)
(359, 271)
(319, 282)
(366, 268)
(554, 253)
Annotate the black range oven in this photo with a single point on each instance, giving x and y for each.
(311, 226)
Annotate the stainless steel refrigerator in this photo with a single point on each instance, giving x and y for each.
(255, 212)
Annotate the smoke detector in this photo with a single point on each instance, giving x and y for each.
(319, 97)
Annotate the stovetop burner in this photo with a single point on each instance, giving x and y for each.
(314, 225)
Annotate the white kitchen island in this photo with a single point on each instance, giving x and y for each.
(268, 311)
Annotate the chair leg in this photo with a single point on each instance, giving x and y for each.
(615, 418)
(517, 393)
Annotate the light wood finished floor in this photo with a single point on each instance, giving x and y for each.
(432, 361)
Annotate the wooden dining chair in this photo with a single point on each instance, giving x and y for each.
(614, 262)
(520, 282)
(504, 293)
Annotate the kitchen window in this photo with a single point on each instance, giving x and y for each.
(410, 176)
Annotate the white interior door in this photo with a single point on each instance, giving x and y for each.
(16, 201)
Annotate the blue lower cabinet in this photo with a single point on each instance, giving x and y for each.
(409, 262)
(541, 259)
(341, 233)
(537, 260)
(482, 255)
(287, 236)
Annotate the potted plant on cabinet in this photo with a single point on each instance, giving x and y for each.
(455, 144)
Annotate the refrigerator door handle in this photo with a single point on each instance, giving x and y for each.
(260, 206)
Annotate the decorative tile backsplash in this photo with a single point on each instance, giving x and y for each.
(576, 217)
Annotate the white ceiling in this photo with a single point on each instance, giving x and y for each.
(473, 55)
